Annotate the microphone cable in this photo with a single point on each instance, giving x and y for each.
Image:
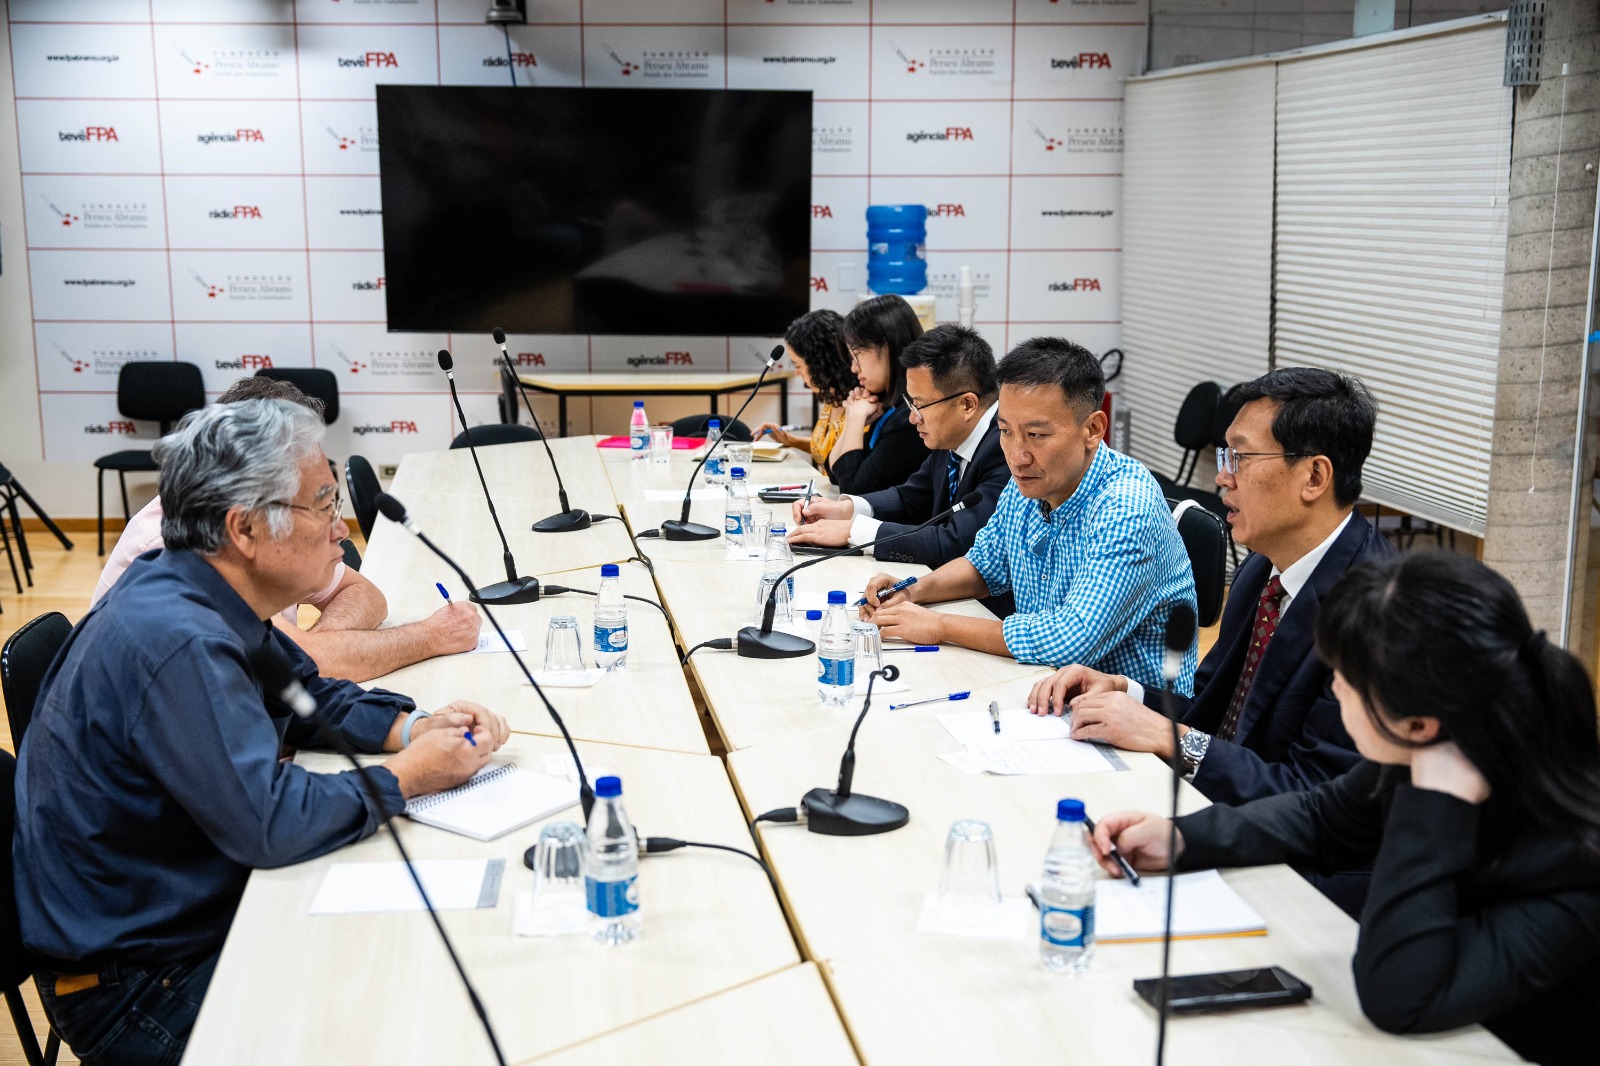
(556, 590)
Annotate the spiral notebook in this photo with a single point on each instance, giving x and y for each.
(494, 801)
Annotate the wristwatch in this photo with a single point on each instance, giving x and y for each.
(1192, 748)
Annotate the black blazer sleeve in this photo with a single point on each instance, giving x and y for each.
(891, 461)
(950, 539)
(1320, 752)
(912, 501)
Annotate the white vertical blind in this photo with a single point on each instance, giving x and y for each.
(1197, 244)
(1392, 172)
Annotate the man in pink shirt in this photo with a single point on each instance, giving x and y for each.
(345, 640)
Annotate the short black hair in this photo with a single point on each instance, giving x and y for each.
(889, 322)
(1054, 361)
(958, 358)
(818, 338)
(1320, 412)
(260, 388)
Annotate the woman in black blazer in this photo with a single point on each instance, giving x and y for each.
(1477, 804)
(878, 447)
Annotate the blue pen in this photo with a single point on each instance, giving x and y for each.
(931, 699)
(440, 586)
(883, 594)
(915, 647)
(474, 743)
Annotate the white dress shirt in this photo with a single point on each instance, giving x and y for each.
(864, 527)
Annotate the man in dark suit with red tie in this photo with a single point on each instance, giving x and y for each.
(1263, 719)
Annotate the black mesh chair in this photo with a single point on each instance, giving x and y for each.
(1205, 539)
(695, 426)
(17, 964)
(313, 381)
(151, 392)
(499, 433)
(364, 488)
(24, 661)
(1192, 431)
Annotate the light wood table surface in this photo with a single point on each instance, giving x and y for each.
(379, 989)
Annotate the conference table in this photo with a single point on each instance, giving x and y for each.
(824, 964)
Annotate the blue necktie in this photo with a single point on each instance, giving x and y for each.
(952, 478)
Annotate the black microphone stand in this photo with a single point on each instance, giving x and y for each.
(569, 519)
(842, 813)
(395, 511)
(764, 643)
(513, 589)
(681, 528)
(1180, 634)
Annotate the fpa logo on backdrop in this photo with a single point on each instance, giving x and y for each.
(209, 191)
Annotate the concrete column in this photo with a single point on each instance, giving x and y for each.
(1548, 239)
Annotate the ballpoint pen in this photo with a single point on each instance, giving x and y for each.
(994, 714)
(883, 594)
(1127, 869)
(810, 487)
(440, 586)
(930, 699)
(911, 647)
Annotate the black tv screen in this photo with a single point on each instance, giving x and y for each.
(628, 211)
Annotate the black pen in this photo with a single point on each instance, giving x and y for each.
(1127, 870)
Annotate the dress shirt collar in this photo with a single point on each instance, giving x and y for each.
(1088, 486)
(221, 596)
(1299, 572)
(969, 447)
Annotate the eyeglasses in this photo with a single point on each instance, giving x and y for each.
(1228, 459)
(330, 511)
(917, 408)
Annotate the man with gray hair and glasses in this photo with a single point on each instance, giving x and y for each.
(149, 782)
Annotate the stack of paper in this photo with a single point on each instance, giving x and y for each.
(1203, 905)
(1026, 744)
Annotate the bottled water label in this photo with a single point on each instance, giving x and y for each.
(733, 526)
(612, 899)
(837, 672)
(1066, 927)
(638, 442)
(610, 638)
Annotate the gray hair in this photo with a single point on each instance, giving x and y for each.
(223, 456)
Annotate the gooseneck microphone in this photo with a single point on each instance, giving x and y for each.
(513, 589)
(683, 529)
(764, 643)
(1180, 634)
(278, 679)
(840, 812)
(395, 511)
(569, 519)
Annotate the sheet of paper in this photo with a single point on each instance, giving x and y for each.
(817, 600)
(975, 729)
(489, 641)
(378, 887)
(1203, 905)
(560, 764)
(963, 761)
(1013, 919)
(1043, 757)
(565, 918)
(700, 494)
(570, 679)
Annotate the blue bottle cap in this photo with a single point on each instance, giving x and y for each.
(835, 597)
(813, 616)
(738, 471)
(713, 423)
(1066, 810)
(778, 529)
(608, 570)
(638, 403)
(611, 787)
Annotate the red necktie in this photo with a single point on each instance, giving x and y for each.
(1267, 612)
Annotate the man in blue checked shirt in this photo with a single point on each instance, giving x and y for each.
(1081, 536)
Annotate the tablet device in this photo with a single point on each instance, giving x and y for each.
(1200, 993)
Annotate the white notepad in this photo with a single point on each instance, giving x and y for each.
(378, 887)
(1203, 906)
(496, 800)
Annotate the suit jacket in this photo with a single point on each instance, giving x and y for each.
(927, 492)
(1477, 913)
(1289, 737)
(896, 455)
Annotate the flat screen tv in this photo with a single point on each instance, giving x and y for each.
(625, 211)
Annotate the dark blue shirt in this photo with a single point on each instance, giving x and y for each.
(149, 783)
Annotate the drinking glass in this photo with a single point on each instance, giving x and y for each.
(969, 890)
(563, 651)
(869, 651)
(739, 454)
(660, 444)
(755, 533)
(559, 903)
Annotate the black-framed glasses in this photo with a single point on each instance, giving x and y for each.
(913, 405)
(1228, 459)
(330, 511)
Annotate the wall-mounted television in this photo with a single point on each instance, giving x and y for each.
(620, 211)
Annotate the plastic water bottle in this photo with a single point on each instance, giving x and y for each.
(1066, 895)
(836, 655)
(638, 433)
(738, 513)
(716, 458)
(814, 625)
(779, 558)
(611, 879)
(610, 622)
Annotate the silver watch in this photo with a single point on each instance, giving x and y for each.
(1192, 748)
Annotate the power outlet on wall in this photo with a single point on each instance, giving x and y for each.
(388, 470)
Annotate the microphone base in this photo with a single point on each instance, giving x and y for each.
(522, 590)
(854, 815)
(565, 522)
(754, 644)
(672, 529)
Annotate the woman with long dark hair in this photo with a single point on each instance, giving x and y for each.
(815, 343)
(878, 447)
(1477, 804)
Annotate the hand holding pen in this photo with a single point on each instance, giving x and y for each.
(884, 594)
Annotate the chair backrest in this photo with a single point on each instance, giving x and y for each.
(510, 411)
(1205, 539)
(352, 554)
(1227, 411)
(313, 381)
(16, 963)
(364, 489)
(499, 433)
(160, 392)
(1192, 430)
(695, 426)
(24, 661)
